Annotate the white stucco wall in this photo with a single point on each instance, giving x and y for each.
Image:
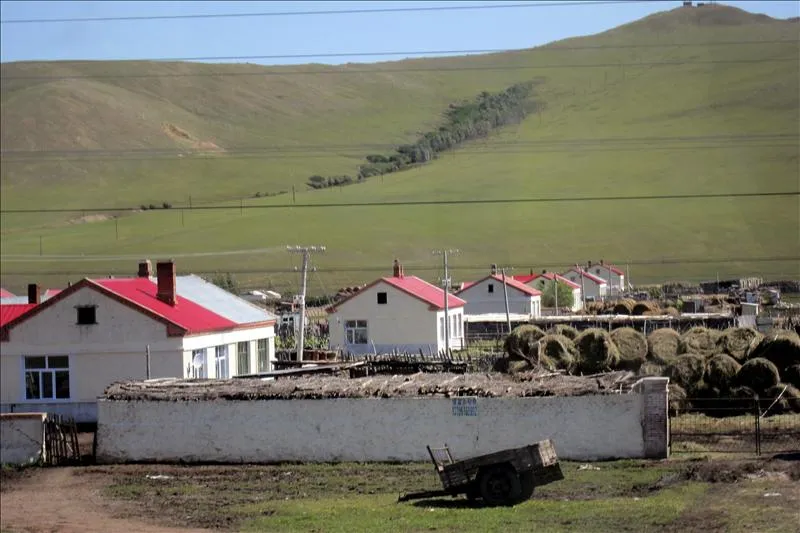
(404, 323)
(398, 429)
(21, 438)
(591, 288)
(480, 301)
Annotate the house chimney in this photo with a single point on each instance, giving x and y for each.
(145, 269)
(494, 269)
(34, 294)
(165, 273)
(544, 271)
(590, 264)
(398, 269)
(602, 262)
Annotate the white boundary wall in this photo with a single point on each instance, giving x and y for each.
(22, 438)
(372, 429)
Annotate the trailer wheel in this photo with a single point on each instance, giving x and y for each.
(527, 483)
(500, 485)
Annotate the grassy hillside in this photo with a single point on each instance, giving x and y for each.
(684, 116)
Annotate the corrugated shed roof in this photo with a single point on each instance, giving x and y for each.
(221, 301)
(9, 312)
(187, 314)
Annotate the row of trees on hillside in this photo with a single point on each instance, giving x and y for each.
(464, 122)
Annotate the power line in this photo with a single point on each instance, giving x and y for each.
(306, 149)
(322, 12)
(485, 201)
(343, 71)
(543, 48)
(425, 267)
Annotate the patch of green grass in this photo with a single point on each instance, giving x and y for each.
(601, 132)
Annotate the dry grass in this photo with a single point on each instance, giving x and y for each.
(699, 340)
(739, 342)
(781, 347)
(759, 374)
(632, 346)
(663, 345)
(721, 371)
(598, 353)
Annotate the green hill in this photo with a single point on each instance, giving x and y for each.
(689, 101)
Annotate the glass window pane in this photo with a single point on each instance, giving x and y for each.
(35, 362)
(32, 390)
(350, 324)
(62, 385)
(47, 384)
(59, 361)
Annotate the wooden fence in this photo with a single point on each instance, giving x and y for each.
(60, 441)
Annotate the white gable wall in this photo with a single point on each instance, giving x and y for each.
(404, 323)
(592, 288)
(480, 301)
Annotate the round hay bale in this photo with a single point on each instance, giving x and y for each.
(560, 350)
(564, 329)
(721, 371)
(624, 307)
(522, 341)
(651, 369)
(742, 400)
(672, 311)
(789, 399)
(677, 399)
(699, 340)
(739, 342)
(597, 352)
(646, 308)
(662, 345)
(782, 347)
(687, 371)
(632, 347)
(759, 374)
(791, 375)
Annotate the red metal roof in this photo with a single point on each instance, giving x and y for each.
(589, 276)
(549, 276)
(186, 314)
(613, 269)
(421, 289)
(5, 294)
(9, 312)
(511, 282)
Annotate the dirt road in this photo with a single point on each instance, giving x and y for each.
(52, 500)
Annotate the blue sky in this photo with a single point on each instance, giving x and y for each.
(314, 34)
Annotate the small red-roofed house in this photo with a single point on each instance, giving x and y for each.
(593, 288)
(396, 313)
(613, 276)
(59, 355)
(486, 296)
(542, 281)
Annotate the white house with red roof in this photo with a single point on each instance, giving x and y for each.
(398, 313)
(592, 287)
(59, 355)
(542, 281)
(486, 296)
(613, 276)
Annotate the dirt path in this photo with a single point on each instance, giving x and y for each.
(57, 500)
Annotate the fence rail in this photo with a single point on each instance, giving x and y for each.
(60, 441)
(734, 425)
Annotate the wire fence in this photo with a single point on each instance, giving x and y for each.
(735, 425)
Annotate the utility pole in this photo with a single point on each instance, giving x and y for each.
(555, 290)
(505, 298)
(306, 251)
(446, 286)
(583, 289)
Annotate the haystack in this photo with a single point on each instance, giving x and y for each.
(560, 350)
(672, 311)
(624, 307)
(787, 396)
(646, 308)
(721, 371)
(651, 369)
(699, 340)
(791, 375)
(662, 345)
(677, 399)
(564, 329)
(739, 342)
(597, 352)
(759, 374)
(632, 347)
(522, 341)
(782, 347)
(687, 371)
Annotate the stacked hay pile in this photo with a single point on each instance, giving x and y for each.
(739, 343)
(700, 341)
(559, 351)
(522, 351)
(624, 307)
(646, 309)
(632, 347)
(597, 352)
(565, 330)
(663, 345)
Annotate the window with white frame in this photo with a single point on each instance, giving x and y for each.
(199, 364)
(355, 332)
(243, 358)
(221, 361)
(47, 377)
(262, 346)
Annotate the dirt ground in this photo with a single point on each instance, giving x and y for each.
(172, 498)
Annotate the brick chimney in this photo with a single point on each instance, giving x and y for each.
(165, 273)
(590, 265)
(494, 269)
(34, 294)
(602, 262)
(397, 270)
(145, 269)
